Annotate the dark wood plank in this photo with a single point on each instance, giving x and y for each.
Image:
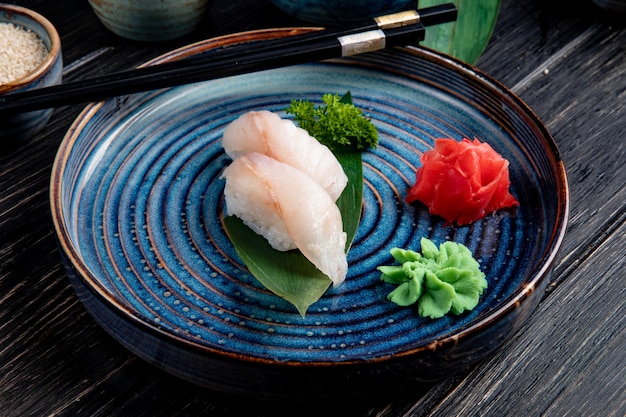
(588, 121)
(529, 33)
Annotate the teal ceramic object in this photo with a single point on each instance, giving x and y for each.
(15, 128)
(617, 6)
(137, 203)
(334, 12)
(149, 20)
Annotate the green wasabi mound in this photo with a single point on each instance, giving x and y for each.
(440, 280)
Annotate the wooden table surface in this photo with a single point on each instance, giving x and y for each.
(565, 59)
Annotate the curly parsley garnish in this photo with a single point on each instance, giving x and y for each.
(337, 124)
(441, 280)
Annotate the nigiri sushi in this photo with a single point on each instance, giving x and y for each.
(267, 133)
(289, 209)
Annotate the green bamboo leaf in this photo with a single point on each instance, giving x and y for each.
(467, 37)
(351, 198)
(289, 274)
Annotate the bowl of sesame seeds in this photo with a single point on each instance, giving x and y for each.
(30, 57)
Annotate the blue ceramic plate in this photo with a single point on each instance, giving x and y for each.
(137, 203)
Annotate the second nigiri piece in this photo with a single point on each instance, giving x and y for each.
(289, 209)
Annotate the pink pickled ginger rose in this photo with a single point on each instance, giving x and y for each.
(462, 181)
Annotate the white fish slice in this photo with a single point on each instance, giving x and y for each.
(289, 209)
(265, 132)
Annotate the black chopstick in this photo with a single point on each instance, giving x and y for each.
(427, 16)
(325, 46)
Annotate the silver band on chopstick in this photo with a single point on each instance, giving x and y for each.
(395, 20)
(359, 43)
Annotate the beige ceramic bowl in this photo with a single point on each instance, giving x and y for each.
(17, 127)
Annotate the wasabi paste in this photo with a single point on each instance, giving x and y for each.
(439, 280)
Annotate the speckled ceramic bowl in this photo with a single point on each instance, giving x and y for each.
(335, 12)
(137, 203)
(148, 20)
(18, 127)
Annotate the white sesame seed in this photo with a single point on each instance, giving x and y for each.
(21, 52)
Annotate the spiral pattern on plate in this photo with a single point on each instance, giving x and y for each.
(144, 206)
